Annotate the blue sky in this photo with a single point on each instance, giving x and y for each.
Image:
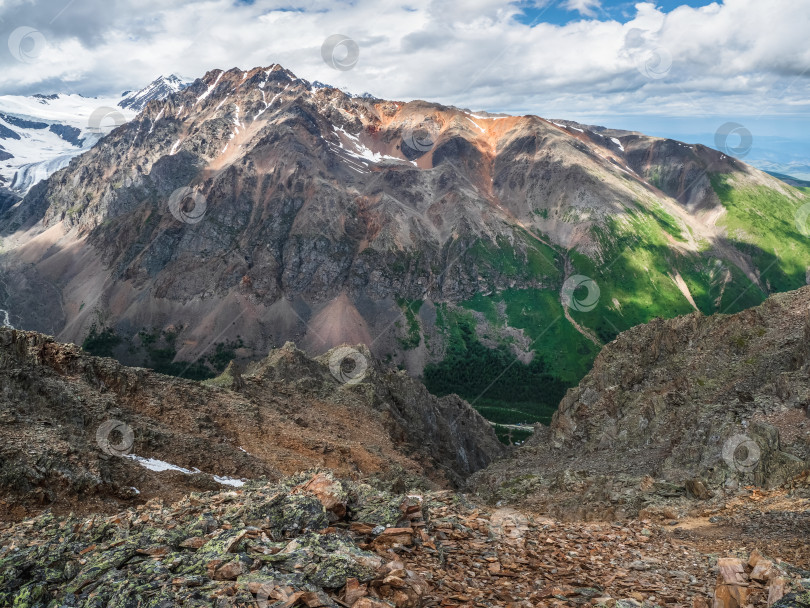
(673, 68)
(561, 13)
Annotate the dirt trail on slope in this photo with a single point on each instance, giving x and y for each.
(589, 334)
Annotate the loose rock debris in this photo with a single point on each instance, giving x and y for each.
(316, 541)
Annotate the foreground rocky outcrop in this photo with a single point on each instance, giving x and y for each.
(315, 541)
(673, 411)
(88, 433)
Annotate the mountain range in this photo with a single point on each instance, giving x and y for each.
(491, 255)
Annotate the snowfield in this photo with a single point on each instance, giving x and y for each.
(40, 134)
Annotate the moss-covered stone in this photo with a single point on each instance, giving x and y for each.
(797, 599)
(327, 560)
(265, 534)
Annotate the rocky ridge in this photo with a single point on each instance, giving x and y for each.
(285, 414)
(675, 410)
(670, 529)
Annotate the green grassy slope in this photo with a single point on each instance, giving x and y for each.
(763, 224)
(636, 279)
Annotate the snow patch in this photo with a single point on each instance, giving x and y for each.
(272, 101)
(210, 89)
(477, 125)
(361, 151)
(221, 103)
(157, 118)
(153, 464)
(229, 481)
(159, 466)
(618, 143)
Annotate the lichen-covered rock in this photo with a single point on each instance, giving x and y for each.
(327, 560)
(798, 599)
(445, 551)
(297, 513)
(209, 549)
(329, 492)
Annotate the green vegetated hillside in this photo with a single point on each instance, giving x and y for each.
(636, 276)
(763, 224)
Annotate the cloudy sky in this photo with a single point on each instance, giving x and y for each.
(676, 67)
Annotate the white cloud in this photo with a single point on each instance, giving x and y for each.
(584, 7)
(742, 56)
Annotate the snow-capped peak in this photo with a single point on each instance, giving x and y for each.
(160, 88)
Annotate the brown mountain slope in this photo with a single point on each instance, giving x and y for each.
(286, 414)
(696, 407)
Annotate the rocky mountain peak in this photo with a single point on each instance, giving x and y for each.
(160, 88)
